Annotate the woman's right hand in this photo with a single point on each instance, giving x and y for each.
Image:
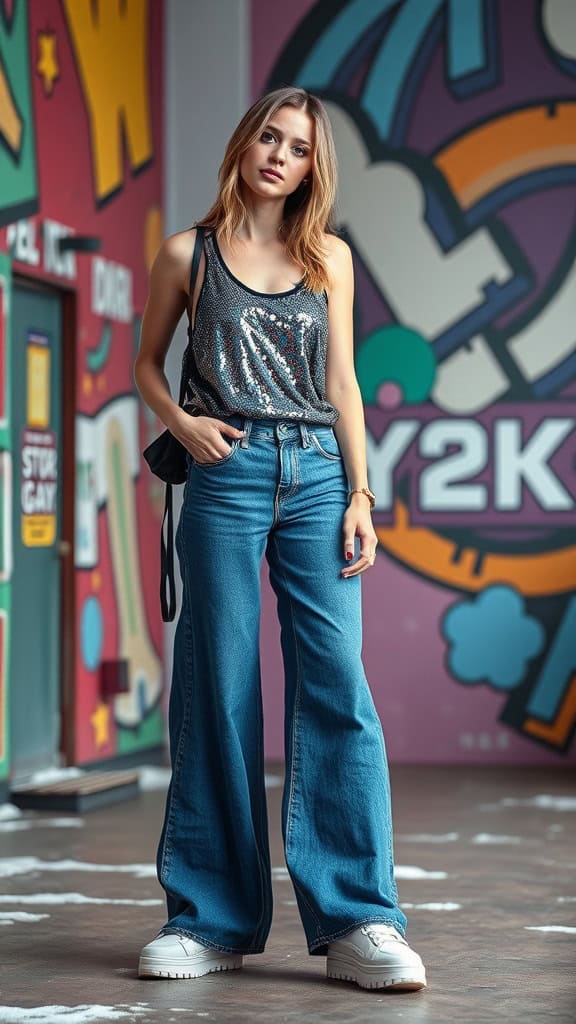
(202, 435)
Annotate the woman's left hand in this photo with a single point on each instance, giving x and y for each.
(358, 523)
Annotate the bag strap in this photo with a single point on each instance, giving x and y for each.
(167, 583)
(167, 603)
(198, 245)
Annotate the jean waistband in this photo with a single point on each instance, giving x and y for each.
(276, 429)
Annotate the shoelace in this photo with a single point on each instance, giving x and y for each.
(381, 933)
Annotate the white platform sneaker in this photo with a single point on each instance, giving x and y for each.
(177, 956)
(376, 956)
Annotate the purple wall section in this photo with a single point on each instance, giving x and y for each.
(455, 128)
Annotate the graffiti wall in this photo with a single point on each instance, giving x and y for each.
(455, 126)
(81, 156)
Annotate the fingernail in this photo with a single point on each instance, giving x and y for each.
(348, 555)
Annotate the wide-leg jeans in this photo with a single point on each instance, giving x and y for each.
(280, 492)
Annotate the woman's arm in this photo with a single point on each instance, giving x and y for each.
(343, 391)
(167, 300)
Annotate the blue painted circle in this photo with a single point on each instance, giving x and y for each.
(91, 632)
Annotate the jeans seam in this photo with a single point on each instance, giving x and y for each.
(294, 749)
(263, 873)
(327, 455)
(389, 831)
(295, 477)
(166, 859)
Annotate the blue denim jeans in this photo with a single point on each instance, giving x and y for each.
(281, 491)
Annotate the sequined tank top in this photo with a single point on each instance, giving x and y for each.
(259, 354)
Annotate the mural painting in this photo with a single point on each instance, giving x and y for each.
(455, 126)
(81, 155)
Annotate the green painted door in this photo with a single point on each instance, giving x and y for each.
(36, 370)
(5, 509)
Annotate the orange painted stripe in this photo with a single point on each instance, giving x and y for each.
(506, 148)
(428, 553)
(558, 731)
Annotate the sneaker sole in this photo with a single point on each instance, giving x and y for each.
(160, 967)
(367, 976)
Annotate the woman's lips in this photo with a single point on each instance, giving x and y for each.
(271, 175)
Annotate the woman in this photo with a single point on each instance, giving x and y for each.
(274, 430)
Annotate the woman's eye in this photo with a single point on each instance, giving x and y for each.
(267, 136)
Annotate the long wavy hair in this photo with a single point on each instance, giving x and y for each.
(309, 210)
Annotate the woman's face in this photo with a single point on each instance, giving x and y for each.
(285, 145)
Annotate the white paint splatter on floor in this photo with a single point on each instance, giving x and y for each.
(565, 865)
(429, 837)
(13, 819)
(400, 871)
(487, 838)
(410, 871)
(60, 898)
(550, 928)
(431, 906)
(15, 916)
(81, 1014)
(152, 776)
(25, 824)
(9, 811)
(273, 781)
(12, 866)
(544, 801)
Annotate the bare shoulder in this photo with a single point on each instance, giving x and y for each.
(336, 246)
(177, 249)
(338, 259)
(172, 261)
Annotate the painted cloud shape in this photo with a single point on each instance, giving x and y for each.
(491, 638)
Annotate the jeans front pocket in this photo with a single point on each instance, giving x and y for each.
(216, 462)
(326, 442)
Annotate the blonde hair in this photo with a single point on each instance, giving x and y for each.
(309, 211)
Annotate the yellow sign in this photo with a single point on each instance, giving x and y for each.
(38, 406)
(38, 531)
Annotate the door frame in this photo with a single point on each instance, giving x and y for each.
(68, 299)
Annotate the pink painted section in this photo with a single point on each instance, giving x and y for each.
(271, 26)
(427, 714)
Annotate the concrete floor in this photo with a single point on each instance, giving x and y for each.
(490, 930)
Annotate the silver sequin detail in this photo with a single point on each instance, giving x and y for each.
(256, 354)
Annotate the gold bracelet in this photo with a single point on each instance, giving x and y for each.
(364, 490)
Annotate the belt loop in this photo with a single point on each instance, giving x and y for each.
(247, 426)
(304, 435)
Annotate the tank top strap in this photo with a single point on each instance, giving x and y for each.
(212, 263)
(203, 244)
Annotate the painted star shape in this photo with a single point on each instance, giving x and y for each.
(100, 720)
(47, 66)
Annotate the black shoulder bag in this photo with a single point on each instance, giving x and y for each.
(166, 457)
